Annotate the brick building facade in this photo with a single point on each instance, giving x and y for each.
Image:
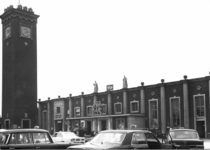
(19, 68)
(158, 107)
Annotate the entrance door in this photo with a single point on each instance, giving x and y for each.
(201, 128)
(103, 125)
(26, 123)
(88, 127)
(59, 126)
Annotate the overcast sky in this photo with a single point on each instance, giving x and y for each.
(83, 41)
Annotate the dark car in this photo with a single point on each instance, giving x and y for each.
(28, 139)
(123, 139)
(185, 139)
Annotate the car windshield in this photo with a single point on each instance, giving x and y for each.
(184, 135)
(69, 134)
(110, 138)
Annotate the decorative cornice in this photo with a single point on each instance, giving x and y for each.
(106, 116)
(13, 16)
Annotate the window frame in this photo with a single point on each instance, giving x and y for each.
(131, 108)
(171, 115)
(151, 100)
(75, 108)
(87, 112)
(195, 106)
(115, 109)
(58, 112)
(105, 108)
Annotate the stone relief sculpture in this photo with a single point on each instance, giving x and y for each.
(97, 107)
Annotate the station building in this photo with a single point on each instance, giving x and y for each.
(158, 107)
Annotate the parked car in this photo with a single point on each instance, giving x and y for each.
(185, 139)
(124, 139)
(28, 139)
(68, 137)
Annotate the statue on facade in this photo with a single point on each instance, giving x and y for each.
(95, 87)
(125, 83)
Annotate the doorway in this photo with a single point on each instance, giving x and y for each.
(26, 123)
(7, 123)
(59, 126)
(201, 128)
(103, 125)
(88, 127)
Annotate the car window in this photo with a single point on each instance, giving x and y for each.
(151, 138)
(21, 138)
(55, 135)
(69, 134)
(41, 138)
(108, 138)
(59, 135)
(138, 138)
(184, 135)
(2, 138)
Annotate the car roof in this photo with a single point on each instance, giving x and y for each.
(124, 131)
(64, 132)
(21, 130)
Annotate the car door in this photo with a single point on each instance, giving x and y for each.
(167, 142)
(43, 141)
(152, 141)
(138, 141)
(58, 137)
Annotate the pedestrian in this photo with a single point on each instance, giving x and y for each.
(81, 132)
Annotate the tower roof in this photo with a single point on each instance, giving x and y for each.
(20, 11)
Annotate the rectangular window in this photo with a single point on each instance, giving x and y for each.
(89, 110)
(134, 106)
(153, 114)
(175, 117)
(118, 108)
(58, 110)
(77, 111)
(199, 105)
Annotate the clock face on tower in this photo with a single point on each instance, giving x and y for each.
(7, 32)
(25, 32)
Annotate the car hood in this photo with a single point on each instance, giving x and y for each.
(93, 146)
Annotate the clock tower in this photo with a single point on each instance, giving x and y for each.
(19, 68)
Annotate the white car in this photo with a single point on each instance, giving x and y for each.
(68, 137)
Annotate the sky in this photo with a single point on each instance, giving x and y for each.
(83, 41)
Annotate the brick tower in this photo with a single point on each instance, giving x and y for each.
(19, 52)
